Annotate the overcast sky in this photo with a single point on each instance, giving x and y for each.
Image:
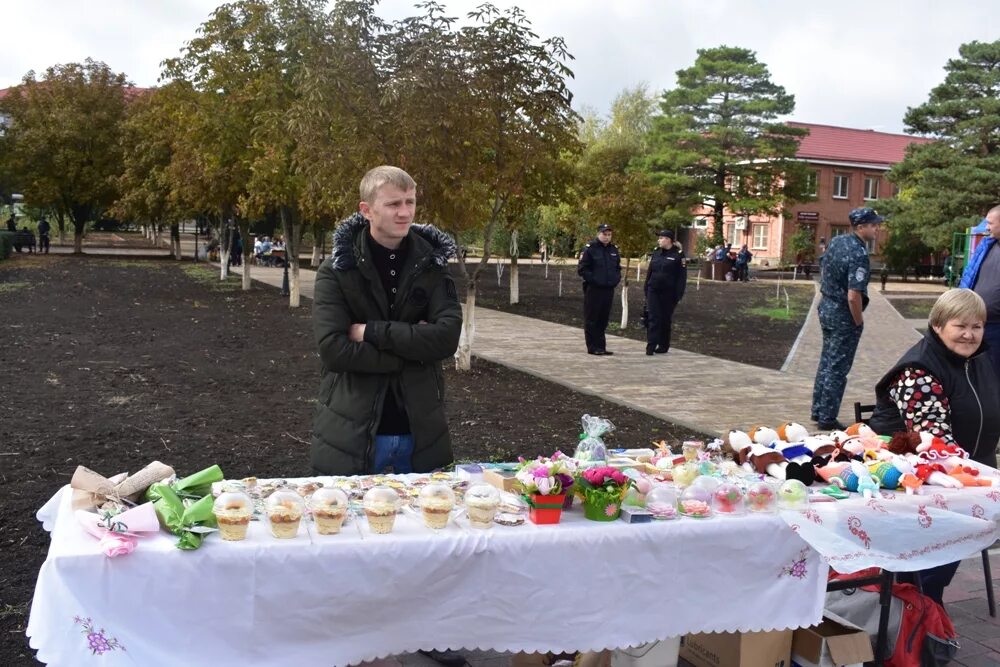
(855, 63)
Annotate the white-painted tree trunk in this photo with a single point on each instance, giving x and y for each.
(560, 283)
(624, 307)
(515, 291)
(246, 274)
(223, 263)
(314, 260)
(500, 268)
(638, 270)
(463, 355)
(294, 286)
(546, 269)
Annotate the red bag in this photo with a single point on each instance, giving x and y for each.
(920, 631)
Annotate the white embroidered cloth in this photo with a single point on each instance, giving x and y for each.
(337, 600)
(901, 532)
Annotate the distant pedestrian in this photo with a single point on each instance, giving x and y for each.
(43, 235)
(236, 252)
(601, 269)
(982, 275)
(844, 285)
(12, 223)
(666, 280)
(742, 266)
(822, 247)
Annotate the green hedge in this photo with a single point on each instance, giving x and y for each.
(6, 244)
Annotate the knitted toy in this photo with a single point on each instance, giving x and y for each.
(832, 473)
(763, 435)
(904, 442)
(799, 461)
(969, 476)
(908, 475)
(792, 432)
(887, 474)
(766, 461)
(866, 484)
(935, 450)
(860, 428)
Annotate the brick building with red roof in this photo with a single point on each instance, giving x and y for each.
(847, 169)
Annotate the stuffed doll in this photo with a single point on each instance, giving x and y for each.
(792, 432)
(860, 428)
(766, 461)
(735, 444)
(763, 435)
(833, 473)
(936, 450)
(799, 461)
(866, 484)
(969, 476)
(908, 475)
(904, 442)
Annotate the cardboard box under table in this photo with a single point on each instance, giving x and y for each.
(738, 649)
(833, 643)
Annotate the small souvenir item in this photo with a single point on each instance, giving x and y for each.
(284, 512)
(835, 491)
(233, 510)
(684, 474)
(728, 499)
(329, 508)
(710, 484)
(661, 502)
(691, 449)
(793, 495)
(380, 504)
(481, 501)
(761, 497)
(696, 502)
(436, 503)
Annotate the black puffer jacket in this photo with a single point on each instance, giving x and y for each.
(404, 354)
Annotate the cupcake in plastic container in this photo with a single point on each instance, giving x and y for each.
(728, 499)
(761, 497)
(696, 502)
(380, 504)
(284, 512)
(233, 510)
(482, 501)
(329, 508)
(661, 502)
(436, 502)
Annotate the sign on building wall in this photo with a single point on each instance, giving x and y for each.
(807, 216)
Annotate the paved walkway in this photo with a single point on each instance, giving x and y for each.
(700, 392)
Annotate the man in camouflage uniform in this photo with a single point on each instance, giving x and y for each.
(844, 284)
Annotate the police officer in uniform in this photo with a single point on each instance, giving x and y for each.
(844, 285)
(665, 283)
(601, 269)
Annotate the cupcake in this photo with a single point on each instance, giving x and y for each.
(436, 503)
(329, 508)
(380, 504)
(284, 510)
(482, 501)
(233, 510)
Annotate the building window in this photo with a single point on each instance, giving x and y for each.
(761, 236)
(871, 187)
(734, 235)
(837, 231)
(841, 183)
(701, 223)
(811, 188)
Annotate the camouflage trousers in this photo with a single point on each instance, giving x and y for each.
(840, 342)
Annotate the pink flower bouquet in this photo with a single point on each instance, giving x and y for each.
(602, 490)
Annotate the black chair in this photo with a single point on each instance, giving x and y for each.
(859, 412)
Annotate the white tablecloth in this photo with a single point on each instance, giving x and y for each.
(336, 600)
(901, 532)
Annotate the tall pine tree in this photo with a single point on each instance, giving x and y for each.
(718, 141)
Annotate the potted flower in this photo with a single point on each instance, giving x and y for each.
(543, 483)
(602, 490)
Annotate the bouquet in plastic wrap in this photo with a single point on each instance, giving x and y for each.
(184, 507)
(591, 447)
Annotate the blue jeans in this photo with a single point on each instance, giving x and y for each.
(393, 454)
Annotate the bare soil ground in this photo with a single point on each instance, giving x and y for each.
(112, 364)
(719, 319)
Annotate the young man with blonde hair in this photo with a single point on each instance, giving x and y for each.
(386, 314)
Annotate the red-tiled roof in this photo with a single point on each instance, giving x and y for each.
(845, 144)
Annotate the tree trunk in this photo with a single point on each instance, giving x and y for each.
(314, 260)
(175, 240)
(463, 355)
(624, 322)
(293, 235)
(78, 241)
(244, 226)
(61, 224)
(515, 292)
(560, 283)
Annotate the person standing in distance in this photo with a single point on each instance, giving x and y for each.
(385, 314)
(844, 285)
(600, 267)
(982, 276)
(44, 229)
(666, 280)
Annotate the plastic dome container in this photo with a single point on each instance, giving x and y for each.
(482, 501)
(710, 484)
(691, 449)
(233, 510)
(329, 509)
(684, 474)
(762, 497)
(436, 503)
(380, 504)
(695, 502)
(284, 512)
(661, 502)
(793, 495)
(728, 499)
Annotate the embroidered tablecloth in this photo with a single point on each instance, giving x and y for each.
(340, 599)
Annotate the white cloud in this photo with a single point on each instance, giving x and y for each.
(854, 62)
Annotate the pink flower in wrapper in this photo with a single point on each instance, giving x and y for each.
(541, 472)
(114, 544)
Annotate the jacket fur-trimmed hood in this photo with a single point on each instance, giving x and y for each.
(343, 256)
